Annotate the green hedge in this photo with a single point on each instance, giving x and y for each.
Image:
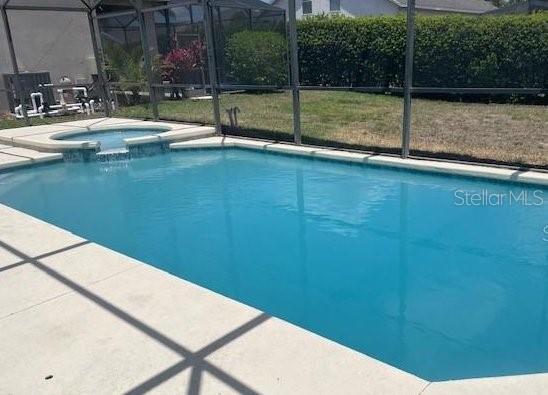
(450, 51)
(257, 58)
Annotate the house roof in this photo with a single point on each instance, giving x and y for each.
(523, 7)
(247, 4)
(464, 6)
(85, 4)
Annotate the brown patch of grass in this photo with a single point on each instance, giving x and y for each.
(510, 133)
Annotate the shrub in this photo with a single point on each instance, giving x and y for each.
(179, 62)
(125, 66)
(450, 51)
(257, 57)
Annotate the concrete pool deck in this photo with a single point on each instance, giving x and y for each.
(101, 322)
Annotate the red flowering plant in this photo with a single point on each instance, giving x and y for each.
(179, 62)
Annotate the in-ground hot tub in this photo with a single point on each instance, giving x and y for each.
(109, 139)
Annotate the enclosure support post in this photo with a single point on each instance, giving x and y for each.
(294, 58)
(138, 5)
(408, 83)
(13, 56)
(99, 64)
(212, 64)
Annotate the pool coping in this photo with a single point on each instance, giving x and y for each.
(46, 138)
(469, 170)
(15, 157)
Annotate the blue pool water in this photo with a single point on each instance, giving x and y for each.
(387, 262)
(111, 139)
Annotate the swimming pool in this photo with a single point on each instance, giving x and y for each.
(424, 272)
(109, 139)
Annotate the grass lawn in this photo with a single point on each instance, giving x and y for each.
(504, 133)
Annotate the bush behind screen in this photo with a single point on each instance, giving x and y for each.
(450, 51)
(257, 57)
